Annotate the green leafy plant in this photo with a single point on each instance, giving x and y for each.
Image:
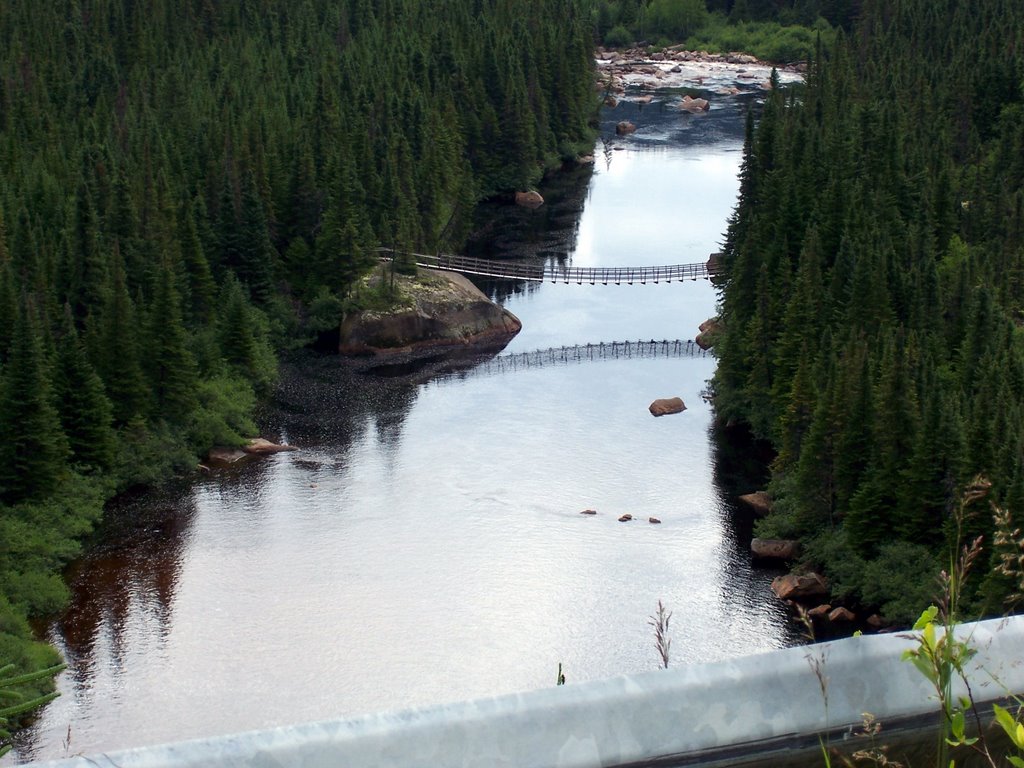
(1014, 730)
(12, 701)
(942, 657)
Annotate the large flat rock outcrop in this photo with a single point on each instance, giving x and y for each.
(439, 311)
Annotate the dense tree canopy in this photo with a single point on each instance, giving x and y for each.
(186, 185)
(875, 292)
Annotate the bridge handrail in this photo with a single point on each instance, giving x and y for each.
(556, 273)
(603, 350)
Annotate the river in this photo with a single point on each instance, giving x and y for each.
(426, 544)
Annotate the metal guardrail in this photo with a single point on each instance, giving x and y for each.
(716, 714)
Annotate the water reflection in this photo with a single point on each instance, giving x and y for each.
(127, 581)
(426, 544)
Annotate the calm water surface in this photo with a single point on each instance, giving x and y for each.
(426, 544)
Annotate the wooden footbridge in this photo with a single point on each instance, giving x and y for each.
(582, 353)
(517, 270)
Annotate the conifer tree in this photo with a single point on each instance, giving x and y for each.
(85, 412)
(115, 349)
(170, 366)
(34, 449)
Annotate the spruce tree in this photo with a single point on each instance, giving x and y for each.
(170, 366)
(85, 412)
(34, 449)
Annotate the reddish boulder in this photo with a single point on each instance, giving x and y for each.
(800, 587)
(625, 518)
(774, 549)
(711, 324)
(841, 614)
(625, 127)
(819, 611)
(757, 501)
(690, 104)
(589, 512)
(221, 456)
(666, 405)
(530, 199)
(654, 520)
(260, 447)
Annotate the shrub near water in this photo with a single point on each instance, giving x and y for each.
(767, 40)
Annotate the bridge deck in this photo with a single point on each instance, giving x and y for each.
(607, 350)
(513, 270)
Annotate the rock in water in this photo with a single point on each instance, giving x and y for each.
(709, 329)
(625, 518)
(665, 406)
(841, 615)
(757, 501)
(530, 199)
(624, 128)
(261, 447)
(447, 313)
(794, 587)
(774, 549)
(690, 104)
(819, 611)
(220, 456)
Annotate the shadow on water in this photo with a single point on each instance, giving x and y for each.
(504, 230)
(134, 569)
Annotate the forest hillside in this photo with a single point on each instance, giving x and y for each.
(874, 302)
(187, 186)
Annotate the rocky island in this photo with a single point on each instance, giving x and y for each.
(434, 312)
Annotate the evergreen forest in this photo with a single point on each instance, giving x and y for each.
(189, 186)
(873, 308)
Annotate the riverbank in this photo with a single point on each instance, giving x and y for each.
(428, 533)
(677, 68)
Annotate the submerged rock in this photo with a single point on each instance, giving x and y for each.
(220, 456)
(260, 447)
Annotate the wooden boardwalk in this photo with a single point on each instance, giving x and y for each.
(515, 270)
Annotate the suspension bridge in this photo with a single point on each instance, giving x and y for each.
(517, 270)
(582, 353)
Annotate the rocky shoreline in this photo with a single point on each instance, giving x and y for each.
(676, 67)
